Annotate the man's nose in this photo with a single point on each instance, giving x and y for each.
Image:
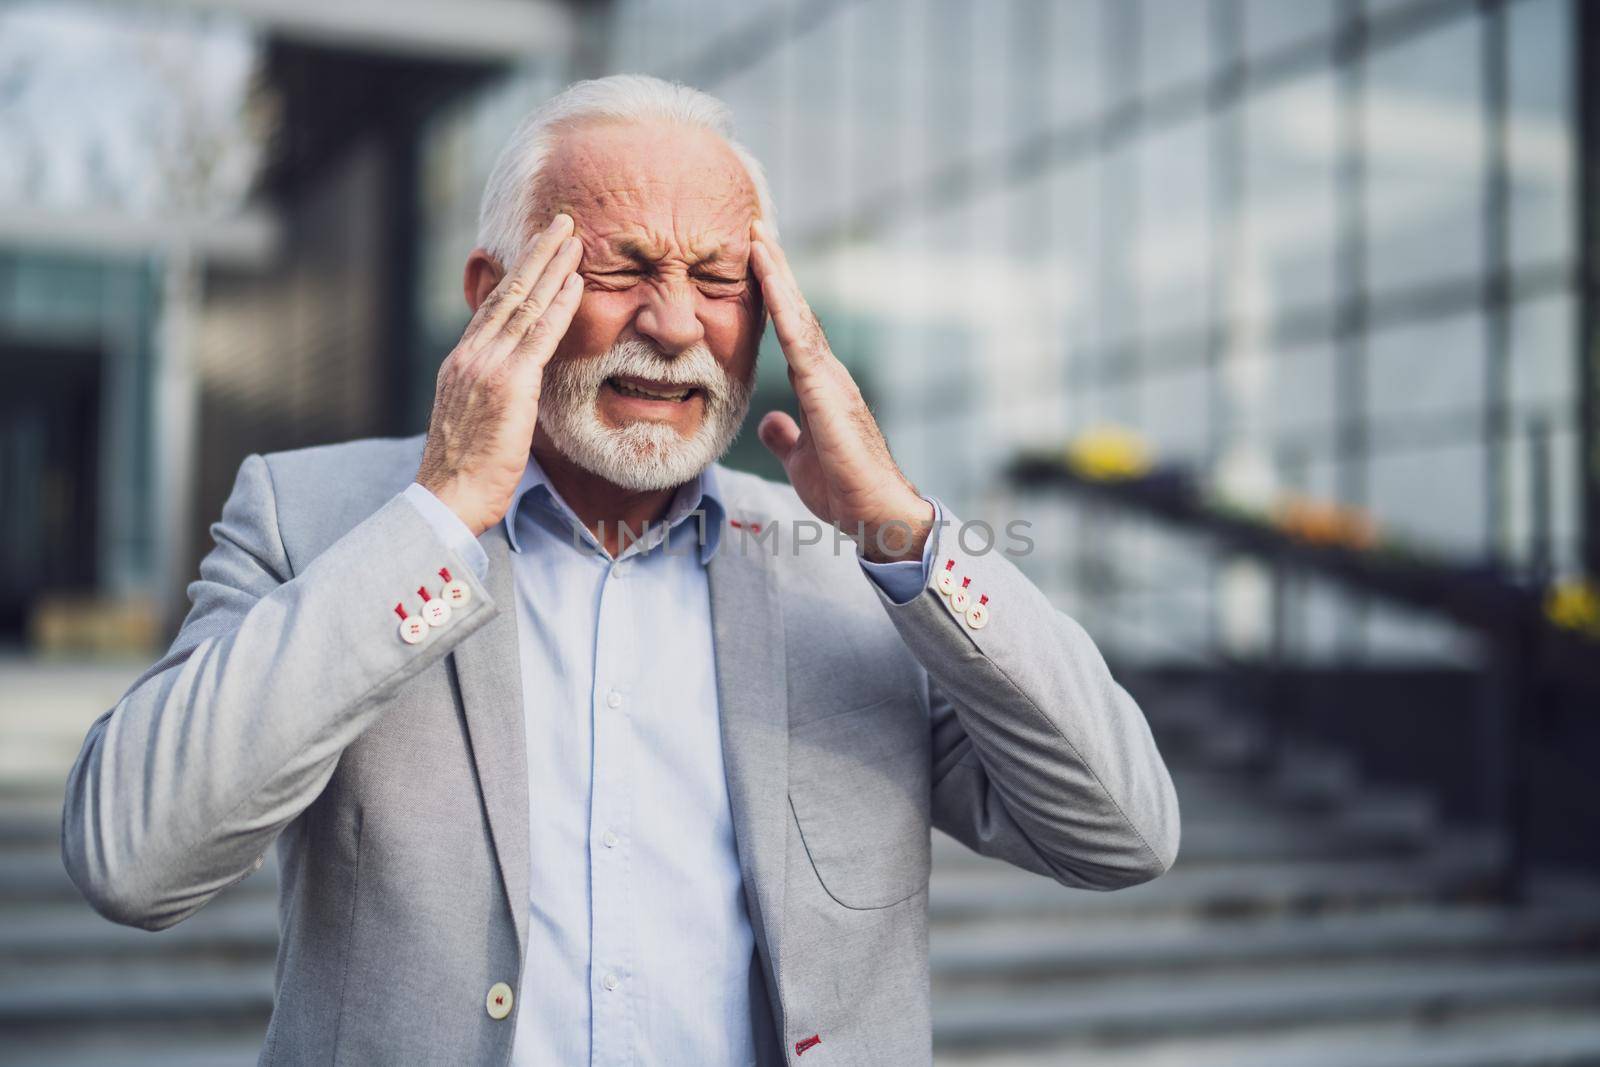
(668, 317)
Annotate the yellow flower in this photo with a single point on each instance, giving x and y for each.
(1574, 605)
(1108, 453)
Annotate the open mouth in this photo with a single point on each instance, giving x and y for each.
(644, 389)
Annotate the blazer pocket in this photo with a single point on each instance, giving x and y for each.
(859, 789)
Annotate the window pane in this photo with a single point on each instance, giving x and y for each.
(1174, 43)
(1376, 9)
(1302, 395)
(1432, 495)
(1174, 243)
(1175, 414)
(1539, 131)
(1117, 253)
(1078, 36)
(1273, 24)
(1076, 229)
(1286, 255)
(1544, 356)
(1425, 143)
(818, 192)
(948, 79)
(1431, 368)
(1554, 506)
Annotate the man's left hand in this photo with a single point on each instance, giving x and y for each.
(835, 457)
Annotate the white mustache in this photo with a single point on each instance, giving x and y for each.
(642, 455)
(694, 367)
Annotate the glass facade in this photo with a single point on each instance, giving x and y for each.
(1325, 248)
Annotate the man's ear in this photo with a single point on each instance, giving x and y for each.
(483, 273)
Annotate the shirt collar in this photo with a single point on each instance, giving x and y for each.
(702, 493)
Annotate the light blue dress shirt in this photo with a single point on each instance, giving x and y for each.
(639, 946)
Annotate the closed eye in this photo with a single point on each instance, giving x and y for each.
(615, 279)
(720, 286)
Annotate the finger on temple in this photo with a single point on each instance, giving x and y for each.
(790, 325)
(557, 317)
(528, 268)
(546, 288)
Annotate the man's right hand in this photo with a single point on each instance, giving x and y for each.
(487, 398)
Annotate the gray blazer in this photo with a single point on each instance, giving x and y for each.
(392, 777)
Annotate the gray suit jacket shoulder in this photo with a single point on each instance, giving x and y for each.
(392, 777)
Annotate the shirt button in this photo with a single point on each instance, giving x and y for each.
(609, 839)
(499, 1001)
(610, 981)
(619, 570)
(613, 699)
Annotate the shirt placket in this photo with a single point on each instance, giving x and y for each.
(611, 970)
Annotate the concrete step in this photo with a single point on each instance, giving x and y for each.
(1019, 954)
(1237, 749)
(236, 927)
(1206, 792)
(1506, 1039)
(1322, 993)
(197, 1046)
(39, 998)
(31, 822)
(1454, 874)
(1266, 835)
(34, 787)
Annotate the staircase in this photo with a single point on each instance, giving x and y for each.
(78, 990)
(1309, 922)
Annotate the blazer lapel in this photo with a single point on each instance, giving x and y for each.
(488, 669)
(752, 690)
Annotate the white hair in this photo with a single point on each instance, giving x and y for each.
(508, 195)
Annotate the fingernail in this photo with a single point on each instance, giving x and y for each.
(555, 223)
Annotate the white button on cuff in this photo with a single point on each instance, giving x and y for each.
(959, 600)
(437, 612)
(978, 616)
(413, 629)
(613, 699)
(498, 1001)
(609, 839)
(456, 594)
(610, 981)
(946, 581)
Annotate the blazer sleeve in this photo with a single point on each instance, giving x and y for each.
(1040, 757)
(181, 788)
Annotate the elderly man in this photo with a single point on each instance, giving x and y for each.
(573, 750)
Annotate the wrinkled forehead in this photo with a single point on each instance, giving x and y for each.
(663, 189)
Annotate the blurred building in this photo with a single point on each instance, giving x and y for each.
(208, 225)
(1327, 246)
(1330, 249)
(1325, 249)
(1338, 251)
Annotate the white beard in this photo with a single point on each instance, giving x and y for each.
(642, 456)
